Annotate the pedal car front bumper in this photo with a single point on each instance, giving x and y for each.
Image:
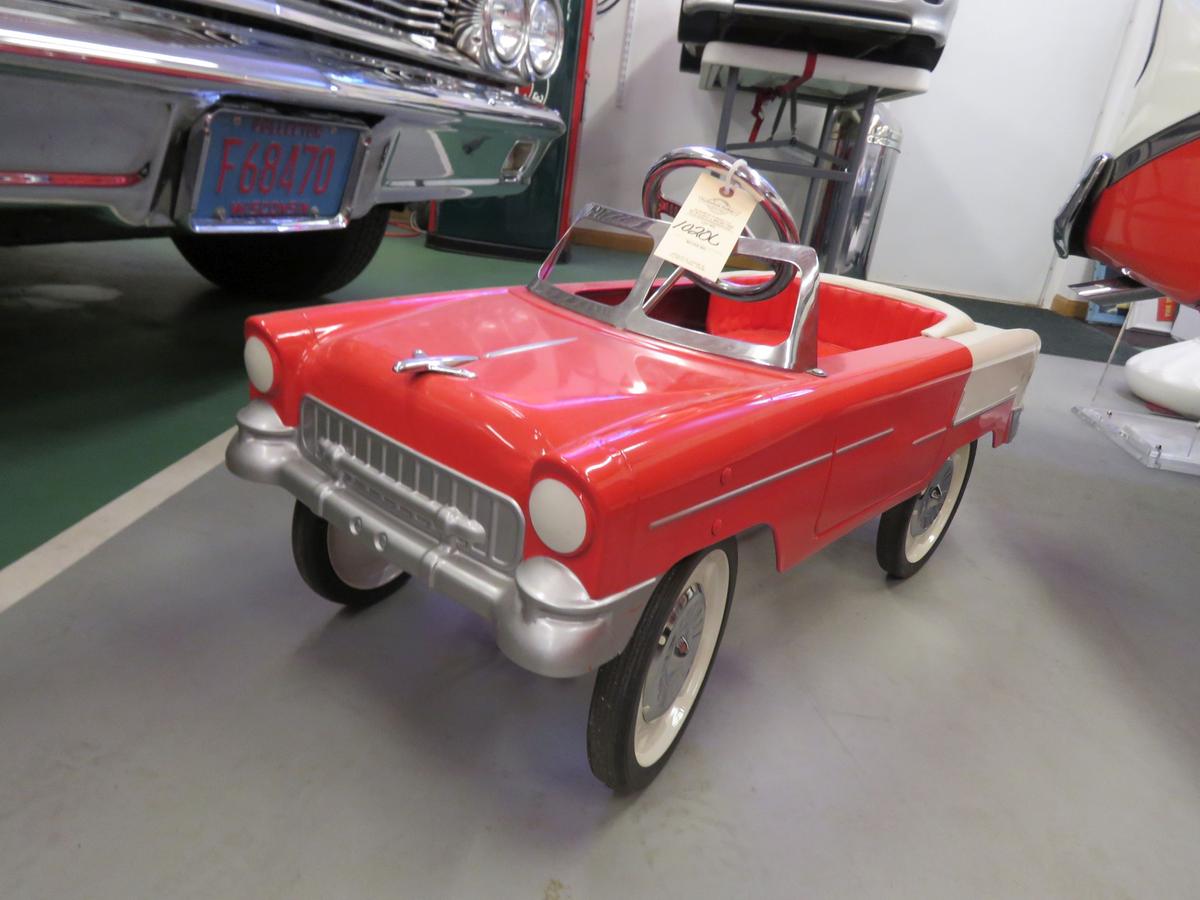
(545, 619)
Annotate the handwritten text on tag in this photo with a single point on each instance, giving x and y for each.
(707, 227)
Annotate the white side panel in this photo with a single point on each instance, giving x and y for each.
(1002, 361)
(1169, 91)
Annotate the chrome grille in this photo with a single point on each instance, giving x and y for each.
(413, 488)
(432, 19)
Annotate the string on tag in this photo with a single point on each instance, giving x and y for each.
(727, 186)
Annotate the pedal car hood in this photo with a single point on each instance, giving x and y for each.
(546, 382)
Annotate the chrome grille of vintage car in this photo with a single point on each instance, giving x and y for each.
(425, 30)
(431, 18)
(444, 504)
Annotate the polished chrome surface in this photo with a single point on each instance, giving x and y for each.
(929, 437)
(545, 620)
(729, 495)
(929, 503)
(935, 505)
(1109, 292)
(118, 89)
(412, 487)
(655, 205)
(1067, 238)
(421, 362)
(864, 441)
(424, 31)
(797, 353)
(673, 658)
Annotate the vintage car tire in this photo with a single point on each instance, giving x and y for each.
(286, 265)
(900, 551)
(313, 543)
(625, 750)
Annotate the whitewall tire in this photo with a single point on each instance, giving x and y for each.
(911, 531)
(644, 699)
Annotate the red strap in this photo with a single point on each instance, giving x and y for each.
(764, 96)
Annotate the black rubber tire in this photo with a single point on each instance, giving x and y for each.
(618, 690)
(893, 528)
(285, 265)
(310, 549)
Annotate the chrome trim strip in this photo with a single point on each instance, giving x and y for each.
(525, 348)
(729, 495)
(1097, 175)
(1110, 292)
(862, 442)
(930, 436)
(1170, 138)
(819, 17)
(975, 415)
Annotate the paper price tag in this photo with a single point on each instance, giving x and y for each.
(707, 227)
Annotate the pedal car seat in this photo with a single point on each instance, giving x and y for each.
(852, 315)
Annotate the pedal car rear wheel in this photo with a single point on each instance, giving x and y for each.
(339, 567)
(911, 531)
(644, 699)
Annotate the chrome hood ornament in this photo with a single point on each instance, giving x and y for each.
(421, 362)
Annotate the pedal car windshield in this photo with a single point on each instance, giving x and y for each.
(671, 308)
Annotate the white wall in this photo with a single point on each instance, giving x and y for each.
(989, 153)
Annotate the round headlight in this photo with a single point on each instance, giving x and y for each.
(259, 365)
(505, 25)
(558, 516)
(545, 37)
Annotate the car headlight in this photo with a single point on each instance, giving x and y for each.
(558, 516)
(506, 28)
(260, 366)
(545, 37)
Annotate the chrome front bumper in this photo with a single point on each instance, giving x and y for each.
(545, 620)
(99, 104)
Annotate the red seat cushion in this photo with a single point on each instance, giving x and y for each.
(848, 318)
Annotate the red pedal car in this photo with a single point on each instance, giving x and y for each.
(576, 461)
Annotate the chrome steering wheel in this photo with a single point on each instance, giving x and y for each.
(655, 205)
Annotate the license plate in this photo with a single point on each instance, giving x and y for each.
(264, 171)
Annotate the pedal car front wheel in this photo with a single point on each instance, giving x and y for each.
(911, 531)
(643, 699)
(339, 567)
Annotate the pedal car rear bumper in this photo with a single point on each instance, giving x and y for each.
(545, 620)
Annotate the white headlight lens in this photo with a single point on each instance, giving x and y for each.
(558, 516)
(259, 365)
(545, 37)
(505, 21)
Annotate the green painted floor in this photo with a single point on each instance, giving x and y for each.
(116, 360)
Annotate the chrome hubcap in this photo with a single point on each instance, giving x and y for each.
(932, 500)
(673, 659)
(935, 505)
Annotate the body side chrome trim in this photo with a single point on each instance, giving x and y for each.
(963, 419)
(737, 492)
(930, 436)
(862, 442)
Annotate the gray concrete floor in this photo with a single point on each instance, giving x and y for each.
(181, 718)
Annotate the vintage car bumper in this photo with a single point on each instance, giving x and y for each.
(701, 21)
(545, 620)
(100, 105)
